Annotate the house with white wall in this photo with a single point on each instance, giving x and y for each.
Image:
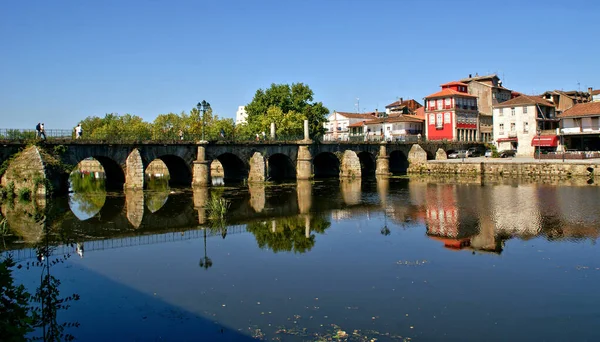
(241, 116)
(518, 121)
(390, 128)
(580, 127)
(337, 124)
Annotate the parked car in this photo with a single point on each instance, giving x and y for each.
(474, 152)
(507, 153)
(458, 154)
(488, 153)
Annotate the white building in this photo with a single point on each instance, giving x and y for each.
(241, 116)
(337, 125)
(517, 122)
(391, 128)
(581, 126)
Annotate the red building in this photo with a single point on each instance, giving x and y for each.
(451, 114)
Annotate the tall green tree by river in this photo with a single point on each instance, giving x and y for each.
(287, 106)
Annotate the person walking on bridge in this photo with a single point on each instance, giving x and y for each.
(38, 129)
(42, 131)
(78, 131)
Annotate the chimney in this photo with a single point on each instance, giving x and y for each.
(590, 92)
(470, 76)
(401, 100)
(376, 113)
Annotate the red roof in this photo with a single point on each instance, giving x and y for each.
(420, 113)
(411, 104)
(582, 109)
(596, 92)
(449, 92)
(367, 116)
(454, 83)
(525, 100)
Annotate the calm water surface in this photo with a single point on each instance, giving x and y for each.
(396, 259)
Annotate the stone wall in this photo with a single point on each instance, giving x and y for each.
(27, 170)
(507, 169)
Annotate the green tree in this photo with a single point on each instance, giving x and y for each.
(15, 314)
(289, 233)
(295, 103)
(116, 127)
(167, 126)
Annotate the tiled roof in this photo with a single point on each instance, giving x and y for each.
(408, 103)
(420, 113)
(596, 92)
(525, 100)
(478, 78)
(367, 116)
(582, 109)
(358, 124)
(454, 83)
(449, 92)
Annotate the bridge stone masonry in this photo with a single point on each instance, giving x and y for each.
(37, 167)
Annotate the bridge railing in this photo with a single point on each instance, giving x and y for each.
(125, 136)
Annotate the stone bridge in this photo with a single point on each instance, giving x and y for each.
(189, 163)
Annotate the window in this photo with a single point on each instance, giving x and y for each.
(493, 95)
(512, 111)
(439, 123)
(524, 109)
(525, 126)
(432, 119)
(513, 126)
(501, 128)
(439, 104)
(447, 118)
(501, 111)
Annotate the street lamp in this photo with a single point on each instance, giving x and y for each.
(205, 262)
(203, 107)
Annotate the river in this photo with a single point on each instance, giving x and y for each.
(389, 259)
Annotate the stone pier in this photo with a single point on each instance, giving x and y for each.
(383, 161)
(304, 163)
(201, 171)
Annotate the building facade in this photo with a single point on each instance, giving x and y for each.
(337, 126)
(241, 116)
(451, 114)
(518, 121)
(489, 92)
(403, 107)
(581, 127)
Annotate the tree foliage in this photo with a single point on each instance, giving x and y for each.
(289, 234)
(287, 106)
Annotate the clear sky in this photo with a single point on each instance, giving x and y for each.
(64, 60)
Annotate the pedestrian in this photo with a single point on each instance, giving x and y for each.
(42, 131)
(180, 134)
(78, 131)
(264, 135)
(222, 133)
(38, 129)
(257, 137)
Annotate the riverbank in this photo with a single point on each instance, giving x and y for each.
(520, 166)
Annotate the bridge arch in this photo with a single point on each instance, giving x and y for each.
(326, 164)
(180, 172)
(367, 163)
(115, 175)
(234, 168)
(398, 162)
(280, 167)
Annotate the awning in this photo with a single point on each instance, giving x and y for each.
(545, 141)
(507, 139)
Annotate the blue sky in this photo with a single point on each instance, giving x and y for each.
(64, 60)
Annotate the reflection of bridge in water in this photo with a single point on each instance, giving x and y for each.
(125, 242)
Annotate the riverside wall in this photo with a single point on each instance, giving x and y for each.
(521, 169)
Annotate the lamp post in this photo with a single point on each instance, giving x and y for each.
(203, 107)
(205, 262)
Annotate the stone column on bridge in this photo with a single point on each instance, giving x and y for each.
(134, 171)
(272, 131)
(201, 172)
(304, 163)
(383, 161)
(257, 172)
(306, 131)
(417, 157)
